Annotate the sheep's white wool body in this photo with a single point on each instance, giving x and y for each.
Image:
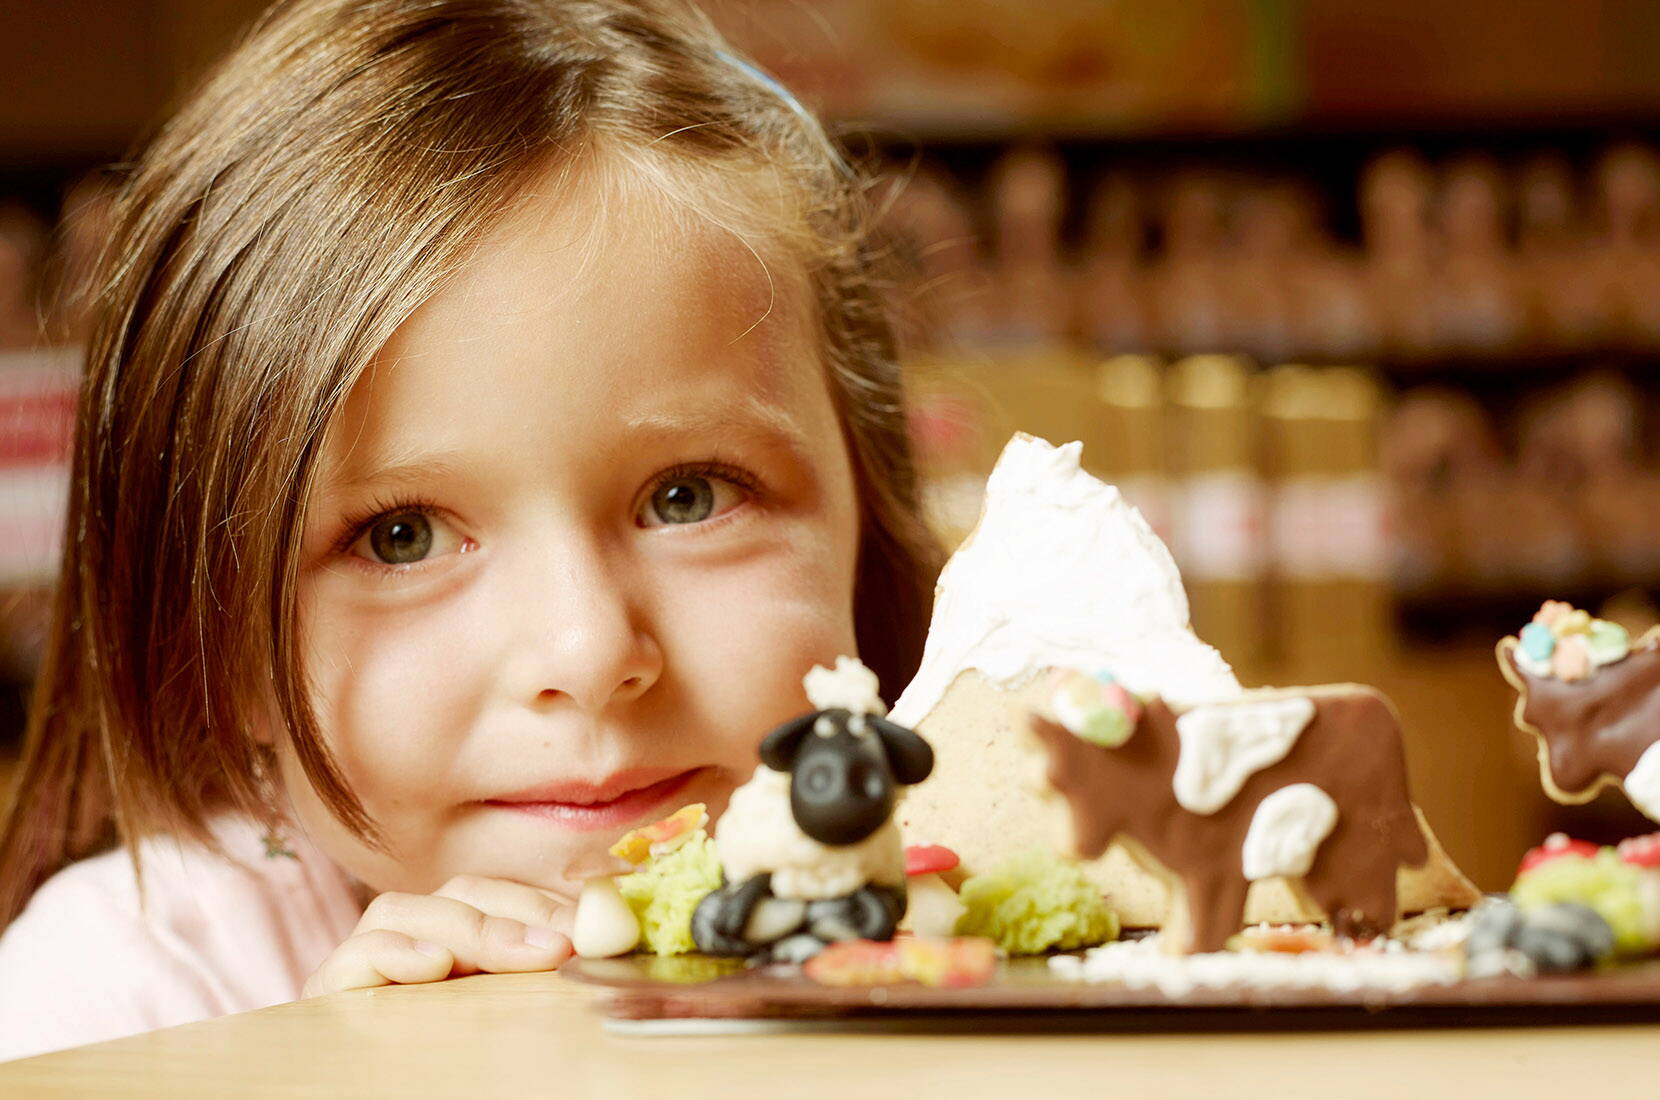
(758, 835)
(1223, 746)
(1062, 572)
(1287, 830)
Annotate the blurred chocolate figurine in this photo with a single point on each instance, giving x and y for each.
(1568, 294)
(1628, 193)
(22, 253)
(1112, 292)
(1028, 195)
(1394, 202)
(945, 282)
(1190, 280)
(1479, 309)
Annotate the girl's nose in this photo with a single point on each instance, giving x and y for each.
(582, 638)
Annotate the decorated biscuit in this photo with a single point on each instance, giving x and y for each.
(1591, 697)
(1104, 594)
(1308, 786)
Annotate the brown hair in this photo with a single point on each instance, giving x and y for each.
(278, 229)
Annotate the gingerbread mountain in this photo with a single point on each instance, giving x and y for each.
(1061, 573)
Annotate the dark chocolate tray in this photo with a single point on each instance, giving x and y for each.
(1026, 995)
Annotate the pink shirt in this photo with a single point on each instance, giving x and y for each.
(84, 963)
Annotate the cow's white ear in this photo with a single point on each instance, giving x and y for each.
(849, 686)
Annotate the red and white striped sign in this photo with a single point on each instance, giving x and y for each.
(37, 418)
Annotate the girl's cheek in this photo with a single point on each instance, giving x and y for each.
(796, 611)
(386, 688)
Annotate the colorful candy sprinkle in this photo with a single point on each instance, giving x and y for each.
(1537, 641)
(1572, 659)
(1096, 708)
(1550, 611)
(1608, 642)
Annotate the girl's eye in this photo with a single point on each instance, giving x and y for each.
(403, 538)
(690, 498)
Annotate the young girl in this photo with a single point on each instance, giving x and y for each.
(490, 418)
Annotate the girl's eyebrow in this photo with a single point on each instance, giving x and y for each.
(398, 470)
(751, 418)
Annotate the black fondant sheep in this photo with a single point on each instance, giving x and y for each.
(808, 846)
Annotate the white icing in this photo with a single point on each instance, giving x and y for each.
(1443, 936)
(1642, 786)
(1533, 666)
(1141, 964)
(1287, 829)
(850, 685)
(1226, 744)
(758, 834)
(1062, 572)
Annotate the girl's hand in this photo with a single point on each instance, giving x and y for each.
(470, 925)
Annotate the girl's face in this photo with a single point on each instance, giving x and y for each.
(577, 538)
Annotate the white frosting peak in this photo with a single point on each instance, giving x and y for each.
(1062, 573)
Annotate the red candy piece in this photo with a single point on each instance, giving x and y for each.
(1641, 851)
(1556, 846)
(1289, 940)
(929, 859)
(951, 963)
(855, 962)
(955, 963)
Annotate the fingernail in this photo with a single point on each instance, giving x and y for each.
(427, 947)
(546, 939)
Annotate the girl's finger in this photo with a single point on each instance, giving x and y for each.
(379, 957)
(478, 940)
(503, 898)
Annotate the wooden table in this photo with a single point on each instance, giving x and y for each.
(541, 1035)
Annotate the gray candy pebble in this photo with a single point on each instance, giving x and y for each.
(1493, 927)
(1578, 924)
(1559, 937)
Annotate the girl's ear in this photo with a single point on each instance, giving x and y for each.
(780, 746)
(910, 757)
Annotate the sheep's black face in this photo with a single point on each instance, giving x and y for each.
(841, 787)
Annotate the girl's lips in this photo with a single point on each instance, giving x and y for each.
(592, 807)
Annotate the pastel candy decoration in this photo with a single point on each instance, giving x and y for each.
(1550, 612)
(1537, 641)
(1608, 643)
(1572, 659)
(1566, 642)
(1577, 621)
(1096, 708)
